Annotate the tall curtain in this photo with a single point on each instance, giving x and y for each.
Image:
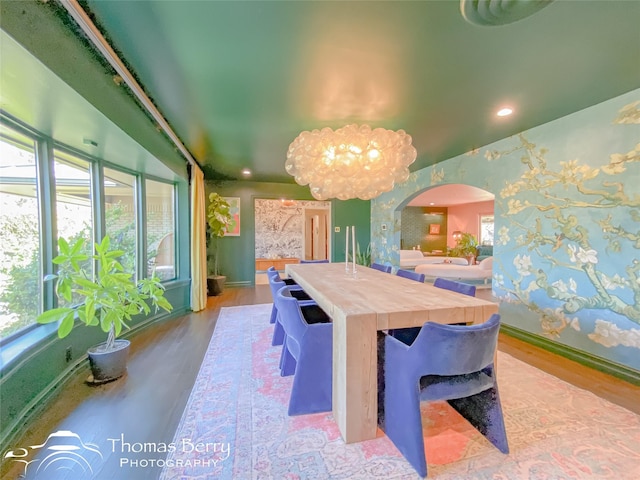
(198, 241)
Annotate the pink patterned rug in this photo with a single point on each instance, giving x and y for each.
(235, 425)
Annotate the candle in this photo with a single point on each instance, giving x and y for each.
(346, 252)
(353, 246)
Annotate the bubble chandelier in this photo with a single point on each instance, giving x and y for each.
(350, 162)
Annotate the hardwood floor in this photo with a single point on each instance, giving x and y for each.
(146, 405)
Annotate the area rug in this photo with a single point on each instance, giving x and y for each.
(235, 425)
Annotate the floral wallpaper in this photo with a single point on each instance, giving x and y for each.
(567, 220)
(280, 227)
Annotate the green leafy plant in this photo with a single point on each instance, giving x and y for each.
(110, 299)
(362, 258)
(465, 246)
(219, 219)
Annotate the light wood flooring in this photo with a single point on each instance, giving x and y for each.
(146, 405)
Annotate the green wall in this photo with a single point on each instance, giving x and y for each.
(237, 254)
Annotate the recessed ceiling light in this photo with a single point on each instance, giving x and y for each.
(503, 112)
(246, 172)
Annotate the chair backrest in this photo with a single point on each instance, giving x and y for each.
(411, 275)
(382, 268)
(291, 319)
(454, 350)
(315, 261)
(275, 283)
(454, 286)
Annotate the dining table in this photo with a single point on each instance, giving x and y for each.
(361, 305)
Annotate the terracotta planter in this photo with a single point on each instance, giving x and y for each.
(108, 365)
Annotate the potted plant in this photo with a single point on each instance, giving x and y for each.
(466, 246)
(219, 219)
(109, 301)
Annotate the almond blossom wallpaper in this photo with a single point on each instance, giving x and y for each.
(567, 223)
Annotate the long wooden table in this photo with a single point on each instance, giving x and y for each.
(361, 306)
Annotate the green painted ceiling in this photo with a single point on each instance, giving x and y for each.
(239, 80)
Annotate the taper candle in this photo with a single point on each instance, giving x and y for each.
(353, 246)
(346, 252)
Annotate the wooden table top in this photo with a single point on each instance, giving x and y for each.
(397, 302)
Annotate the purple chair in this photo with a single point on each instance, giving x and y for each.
(309, 348)
(454, 286)
(408, 335)
(276, 283)
(445, 362)
(382, 268)
(411, 275)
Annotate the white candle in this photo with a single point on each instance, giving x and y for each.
(346, 251)
(353, 246)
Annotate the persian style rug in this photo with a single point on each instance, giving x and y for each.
(235, 425)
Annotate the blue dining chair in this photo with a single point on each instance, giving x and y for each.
(288, 281)
(445, 362)
(275, 284)
(408, 335)
(309, 348)
(411, 275)
(382, 268)
(454, 286)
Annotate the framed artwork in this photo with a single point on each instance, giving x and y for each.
(233, 230)
(434, 229)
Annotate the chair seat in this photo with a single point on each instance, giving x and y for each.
(314, 314)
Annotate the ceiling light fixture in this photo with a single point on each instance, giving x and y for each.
(246, 172)
(350, 162)
(504, 112)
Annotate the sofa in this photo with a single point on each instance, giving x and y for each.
(483, 251)
(412, 258)
(480, 272)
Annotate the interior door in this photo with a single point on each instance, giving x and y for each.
(316, 234)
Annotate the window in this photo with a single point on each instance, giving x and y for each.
(486, 229)
(74, 212)
(160, 229)
(120, 215)
(20, 261)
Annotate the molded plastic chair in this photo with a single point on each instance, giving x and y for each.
(411, 275)
(315, 261)
(454, 286)
(309, 347)
(446, 362)
(382, 268)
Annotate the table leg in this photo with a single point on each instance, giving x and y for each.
(355, 356)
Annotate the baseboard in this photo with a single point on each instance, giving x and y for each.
(597, 363)
(245, 283)
(41, 402)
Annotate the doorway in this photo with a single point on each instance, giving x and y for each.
(316, 234)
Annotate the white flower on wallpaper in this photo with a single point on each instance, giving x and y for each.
(611, 283)
(437, 176)
(610, 335)
(523, 264)
(510, 190)
(629, 114)
(581, 256)
(564, 287)
(618, 161)
(503, 236)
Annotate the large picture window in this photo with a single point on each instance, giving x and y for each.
(120, 215)
(160, 229)
(20, 260)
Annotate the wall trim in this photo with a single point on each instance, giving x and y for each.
(42, 401)
(597, 363)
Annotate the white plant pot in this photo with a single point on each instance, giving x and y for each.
(108, 365)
